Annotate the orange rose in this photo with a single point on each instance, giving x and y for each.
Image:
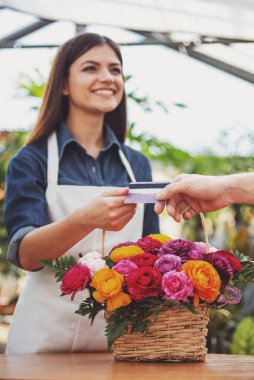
(108, 285)
(205, 279)
(125, 252)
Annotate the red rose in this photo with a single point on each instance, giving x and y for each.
(148, 244)
(75, 279)
(237, 266)
(144, 282)
(144, 260)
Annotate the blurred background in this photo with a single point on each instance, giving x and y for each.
(189, 72)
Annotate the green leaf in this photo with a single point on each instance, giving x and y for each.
(116, 326)
(109, 262)
(242, 257)
(60, 265)
(91, 308)
(245, 275)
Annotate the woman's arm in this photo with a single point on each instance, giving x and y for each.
(107, 211)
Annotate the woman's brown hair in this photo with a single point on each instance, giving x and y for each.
(54, 108)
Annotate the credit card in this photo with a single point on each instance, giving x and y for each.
(144, 192)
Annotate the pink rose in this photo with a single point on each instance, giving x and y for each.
(125, 267)
(75, 279)
(176, 286)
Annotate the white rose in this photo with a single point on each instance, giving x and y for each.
(90, 255)
(93, 261)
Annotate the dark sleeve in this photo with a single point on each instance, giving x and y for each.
(25, 203)
(151, 220)
(142, 171)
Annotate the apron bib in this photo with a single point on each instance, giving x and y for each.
(43, 321)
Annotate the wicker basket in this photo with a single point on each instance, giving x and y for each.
(177, 335)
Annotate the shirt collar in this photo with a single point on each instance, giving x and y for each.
(109, 138)
(65, 137)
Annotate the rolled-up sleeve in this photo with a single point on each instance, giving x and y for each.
(13, 248)
(25, 204)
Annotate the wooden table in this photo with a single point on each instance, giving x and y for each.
(95, 366)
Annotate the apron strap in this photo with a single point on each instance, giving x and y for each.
(127, 166)
(53, 160)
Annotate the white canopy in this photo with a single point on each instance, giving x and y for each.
(223, 18)
(209, 30)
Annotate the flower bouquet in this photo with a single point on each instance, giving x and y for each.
(155, 293)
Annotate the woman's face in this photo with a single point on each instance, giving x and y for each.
(95, 83)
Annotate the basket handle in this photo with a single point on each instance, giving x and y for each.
(103, 243)
(203, 221)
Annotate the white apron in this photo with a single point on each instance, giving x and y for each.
(43, 321)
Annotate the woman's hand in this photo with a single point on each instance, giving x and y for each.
(107, 211)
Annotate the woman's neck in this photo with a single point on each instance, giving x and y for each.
(88, 131)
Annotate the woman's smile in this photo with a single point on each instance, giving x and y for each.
(104, 92)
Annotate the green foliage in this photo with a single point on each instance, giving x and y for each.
(109, 262)
(242, 257)
(247, 273)
(60, 265)
(91, 308)
(117, 324)
(32, 85)
(220, 327)
(145, 102)
(243, 337)
(155, 149)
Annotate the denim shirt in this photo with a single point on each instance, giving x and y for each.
(25, 202)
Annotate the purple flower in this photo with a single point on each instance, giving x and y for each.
(179, 247)
(230, 296)
(167, 263)
(193, 255)
(176, 286)
(125, 267)
(222, 264)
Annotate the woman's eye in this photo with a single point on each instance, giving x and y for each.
(89, 68)
(117, 70)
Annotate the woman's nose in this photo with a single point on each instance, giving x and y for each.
(106, 76)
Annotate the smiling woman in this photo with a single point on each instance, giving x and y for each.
(94, 86)
(68, 185)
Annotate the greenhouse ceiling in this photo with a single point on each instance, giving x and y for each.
(218, 32)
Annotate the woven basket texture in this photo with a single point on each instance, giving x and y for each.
(177, 335)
